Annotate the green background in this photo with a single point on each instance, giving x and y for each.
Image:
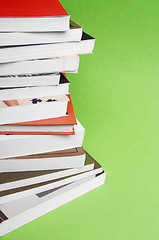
(115, 95)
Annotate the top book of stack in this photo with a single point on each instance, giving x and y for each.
(33, 16)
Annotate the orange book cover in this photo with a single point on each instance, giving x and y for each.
(69, 119)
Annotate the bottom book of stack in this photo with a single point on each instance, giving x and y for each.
(27, 195)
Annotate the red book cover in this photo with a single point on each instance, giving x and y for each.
(32, 8)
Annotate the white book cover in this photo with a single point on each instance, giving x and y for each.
(17, 213)
(25, 38)
(30, 80)
(34, 24)
(52, 50)
(21, 179)
(17, 184)
(15, 145)
(51, 65)
(64, 159)
(35, 92)
(20, 192)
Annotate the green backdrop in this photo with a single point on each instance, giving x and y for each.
(115, 95)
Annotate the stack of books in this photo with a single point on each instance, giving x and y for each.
(42, 162)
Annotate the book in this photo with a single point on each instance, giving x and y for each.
(23, 38)
(30, 80)
(33, 16)
(8, 193)
(42, 162)
(35, 92)
(30, 109)
(19, 212)
(52, 50)
(43, 66)
(12, 180)
(15, 145)
(63, 159)
(61, 125)
(20, 179)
